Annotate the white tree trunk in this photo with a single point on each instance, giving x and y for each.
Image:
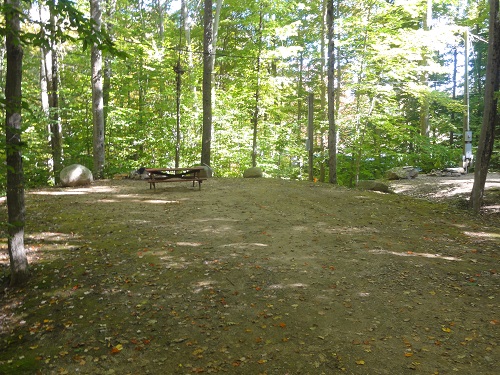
(13, 145)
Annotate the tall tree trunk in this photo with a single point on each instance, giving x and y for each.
(51, 84)
(490, 117)
(44, 94)
(323, 110)
(15, 175)
(207, 83)
(108, 71)
(255, 119)
(332, 129)
(55, 121)
(478, 64)
(424, 108)
(97, 96)
(215, 32)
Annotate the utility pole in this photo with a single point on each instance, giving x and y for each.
(467, 143)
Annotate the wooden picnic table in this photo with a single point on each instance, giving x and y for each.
(189, 174)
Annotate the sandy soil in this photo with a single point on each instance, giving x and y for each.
(254, 276)
(450, 188)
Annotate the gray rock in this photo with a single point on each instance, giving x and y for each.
(254, 172)
(139, 174)
(76, 175)
(448, 172)
(206, 172)
(373, 186)
(401, 173)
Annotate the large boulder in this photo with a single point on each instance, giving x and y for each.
(75, 175)
(206, 172)
(401, 173)
(448, 172)
(139, 174)
(373, 186)
(254, 172)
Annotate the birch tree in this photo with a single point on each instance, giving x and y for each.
(15, 174)
(49, 82)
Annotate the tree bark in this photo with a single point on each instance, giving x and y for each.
(207, 83)
(49, 82)
(424, 108)
(490, 116)
(56, 140)
(186, 22)
(332, 130)
(15, 174)
(97, 96)
(256, 111)
(108, 71)
(323, 110)
(218, 7)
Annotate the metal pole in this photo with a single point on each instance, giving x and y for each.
(467, 142)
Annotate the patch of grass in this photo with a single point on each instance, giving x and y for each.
(21, 365)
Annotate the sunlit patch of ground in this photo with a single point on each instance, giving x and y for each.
(447, 188)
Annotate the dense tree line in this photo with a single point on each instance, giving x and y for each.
(394, 67)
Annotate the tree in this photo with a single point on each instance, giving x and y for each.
(108, 72)
(97, 95)
(215, 31)
(332, 130)
(49, 83)
(208, 68)
(424, 108)
(490, 116)
(256, 110)
(52, 74)
(15, 174)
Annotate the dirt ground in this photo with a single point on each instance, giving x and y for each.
(255, 276)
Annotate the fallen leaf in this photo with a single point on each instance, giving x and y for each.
(117, 349)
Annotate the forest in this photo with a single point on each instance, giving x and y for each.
(249, 275)
(409, 83)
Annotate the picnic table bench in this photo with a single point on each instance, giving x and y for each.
(190, 174)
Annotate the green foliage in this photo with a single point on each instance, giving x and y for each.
(381, 49)
(28, 364)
